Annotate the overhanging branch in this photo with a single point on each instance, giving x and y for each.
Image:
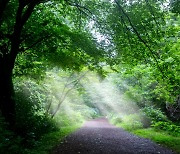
(36, 42)
(139, 37)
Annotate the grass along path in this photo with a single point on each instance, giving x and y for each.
(47, 142)
(160, 137)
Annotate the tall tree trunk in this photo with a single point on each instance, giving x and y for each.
(7, 58)
(7, 102)
(3, 4)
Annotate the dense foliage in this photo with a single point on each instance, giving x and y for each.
(44, 44)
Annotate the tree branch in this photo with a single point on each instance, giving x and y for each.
(36, 42)
(153, 15)
(80, 6)
(63, 96)
(21, 19)
(28, 12)
(3, 4)
(139, 37)
(84, 10)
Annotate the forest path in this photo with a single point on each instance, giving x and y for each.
(100, 137)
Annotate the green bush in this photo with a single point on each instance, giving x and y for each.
(132, 122)
(95, 114)
(32, 121)
(8, 140)
(132, 126)
(154, 114)
(167, 126)
(116, 120)
(64, 120)
(128, 122)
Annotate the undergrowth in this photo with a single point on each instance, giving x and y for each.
(51, 140)
(151, 123)
(35, 132)
(11, 143)
(160, 137)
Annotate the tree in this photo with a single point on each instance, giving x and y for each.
(143, 33)
(10, 48)
(52, 31)
(9, 53)
(40, 28)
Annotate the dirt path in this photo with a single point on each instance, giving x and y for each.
(100, 137)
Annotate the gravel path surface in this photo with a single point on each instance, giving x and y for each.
(100, 137)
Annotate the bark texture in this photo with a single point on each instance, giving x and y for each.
(7, 103)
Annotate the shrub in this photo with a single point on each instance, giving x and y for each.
(115, 119)
(74, 119)
(8, 140)
(154, 114)
(167, 126)
(32, 121)
(132, 122)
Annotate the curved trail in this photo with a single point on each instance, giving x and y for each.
(100, 137)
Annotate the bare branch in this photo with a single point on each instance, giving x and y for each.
(64, 95)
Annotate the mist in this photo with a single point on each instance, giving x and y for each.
(83, 96)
